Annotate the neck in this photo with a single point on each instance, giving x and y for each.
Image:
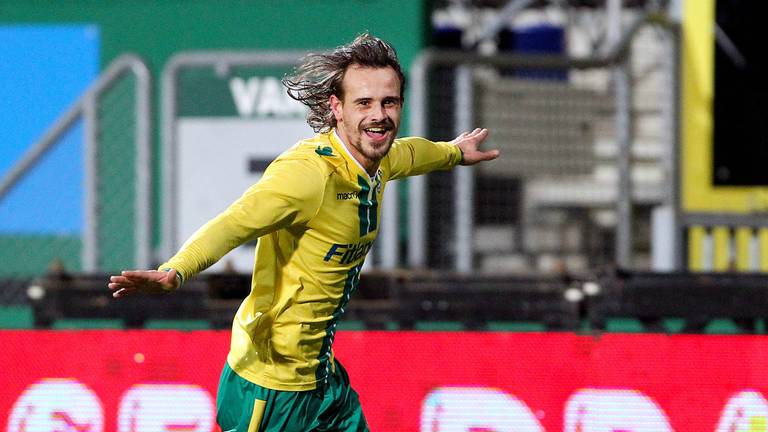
(368, 165)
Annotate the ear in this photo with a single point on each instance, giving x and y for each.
(335, 103)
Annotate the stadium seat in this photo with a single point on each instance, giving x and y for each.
(624, 325)
(89, 324)
(16, 317)
(438, 326)
(516, 326)
(392, 326)
(722, 326)
(177, 324)
(760, 326)
(351, 325)
(358, 324)
(674, 325)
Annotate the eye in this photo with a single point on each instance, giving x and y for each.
(390, 102)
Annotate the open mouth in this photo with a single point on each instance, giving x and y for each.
(376, 132)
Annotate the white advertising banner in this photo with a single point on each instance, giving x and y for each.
(218, 158)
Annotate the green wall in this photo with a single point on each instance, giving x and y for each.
(156, 30)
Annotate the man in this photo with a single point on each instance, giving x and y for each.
(315, 212)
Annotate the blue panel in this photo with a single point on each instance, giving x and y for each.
(43, 70)
(540, 39)
(535, 39)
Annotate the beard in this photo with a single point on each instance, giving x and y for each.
(375, 153)
(370, 145)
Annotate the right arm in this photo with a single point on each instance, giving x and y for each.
(289, 193)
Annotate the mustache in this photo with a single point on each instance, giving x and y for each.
(385, 124)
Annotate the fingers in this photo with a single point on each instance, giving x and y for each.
(477, 132)
(473, 138)
(489, 155)
(120, 282)
(469, 142)
(459, 138)
(141, 277)
(144, 281)
(473, 157)
(479, 135)
(139, 274)
(122, 292)
(128, 282)
(120, 286)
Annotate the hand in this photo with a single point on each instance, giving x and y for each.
(469, 142)
(143, 281)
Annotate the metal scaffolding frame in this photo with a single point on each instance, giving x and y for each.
(86, 107)
(616, 58)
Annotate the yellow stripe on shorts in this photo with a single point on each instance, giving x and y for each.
(258, 412)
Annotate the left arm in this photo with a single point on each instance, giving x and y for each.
(414, 156)
(468, 143)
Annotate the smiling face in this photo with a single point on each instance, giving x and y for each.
(368, 117)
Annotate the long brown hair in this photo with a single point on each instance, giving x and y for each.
(321, 75)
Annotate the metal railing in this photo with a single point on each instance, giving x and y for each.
(739, 252)
(87, 108)
(615, 59)
(223, 62)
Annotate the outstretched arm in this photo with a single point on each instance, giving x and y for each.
(469, 142)
(290, 192)
(144, 281)
(413, 155)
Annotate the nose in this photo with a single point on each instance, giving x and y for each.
(379, 113)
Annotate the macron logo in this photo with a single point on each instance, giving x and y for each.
(343, 196)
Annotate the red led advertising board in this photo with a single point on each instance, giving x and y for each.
(142, 381)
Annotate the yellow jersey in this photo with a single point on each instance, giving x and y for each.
(316, 214)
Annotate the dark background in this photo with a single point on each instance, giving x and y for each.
(740, 105)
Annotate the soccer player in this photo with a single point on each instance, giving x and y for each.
(315, 213)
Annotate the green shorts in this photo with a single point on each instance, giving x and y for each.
(243, 406)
